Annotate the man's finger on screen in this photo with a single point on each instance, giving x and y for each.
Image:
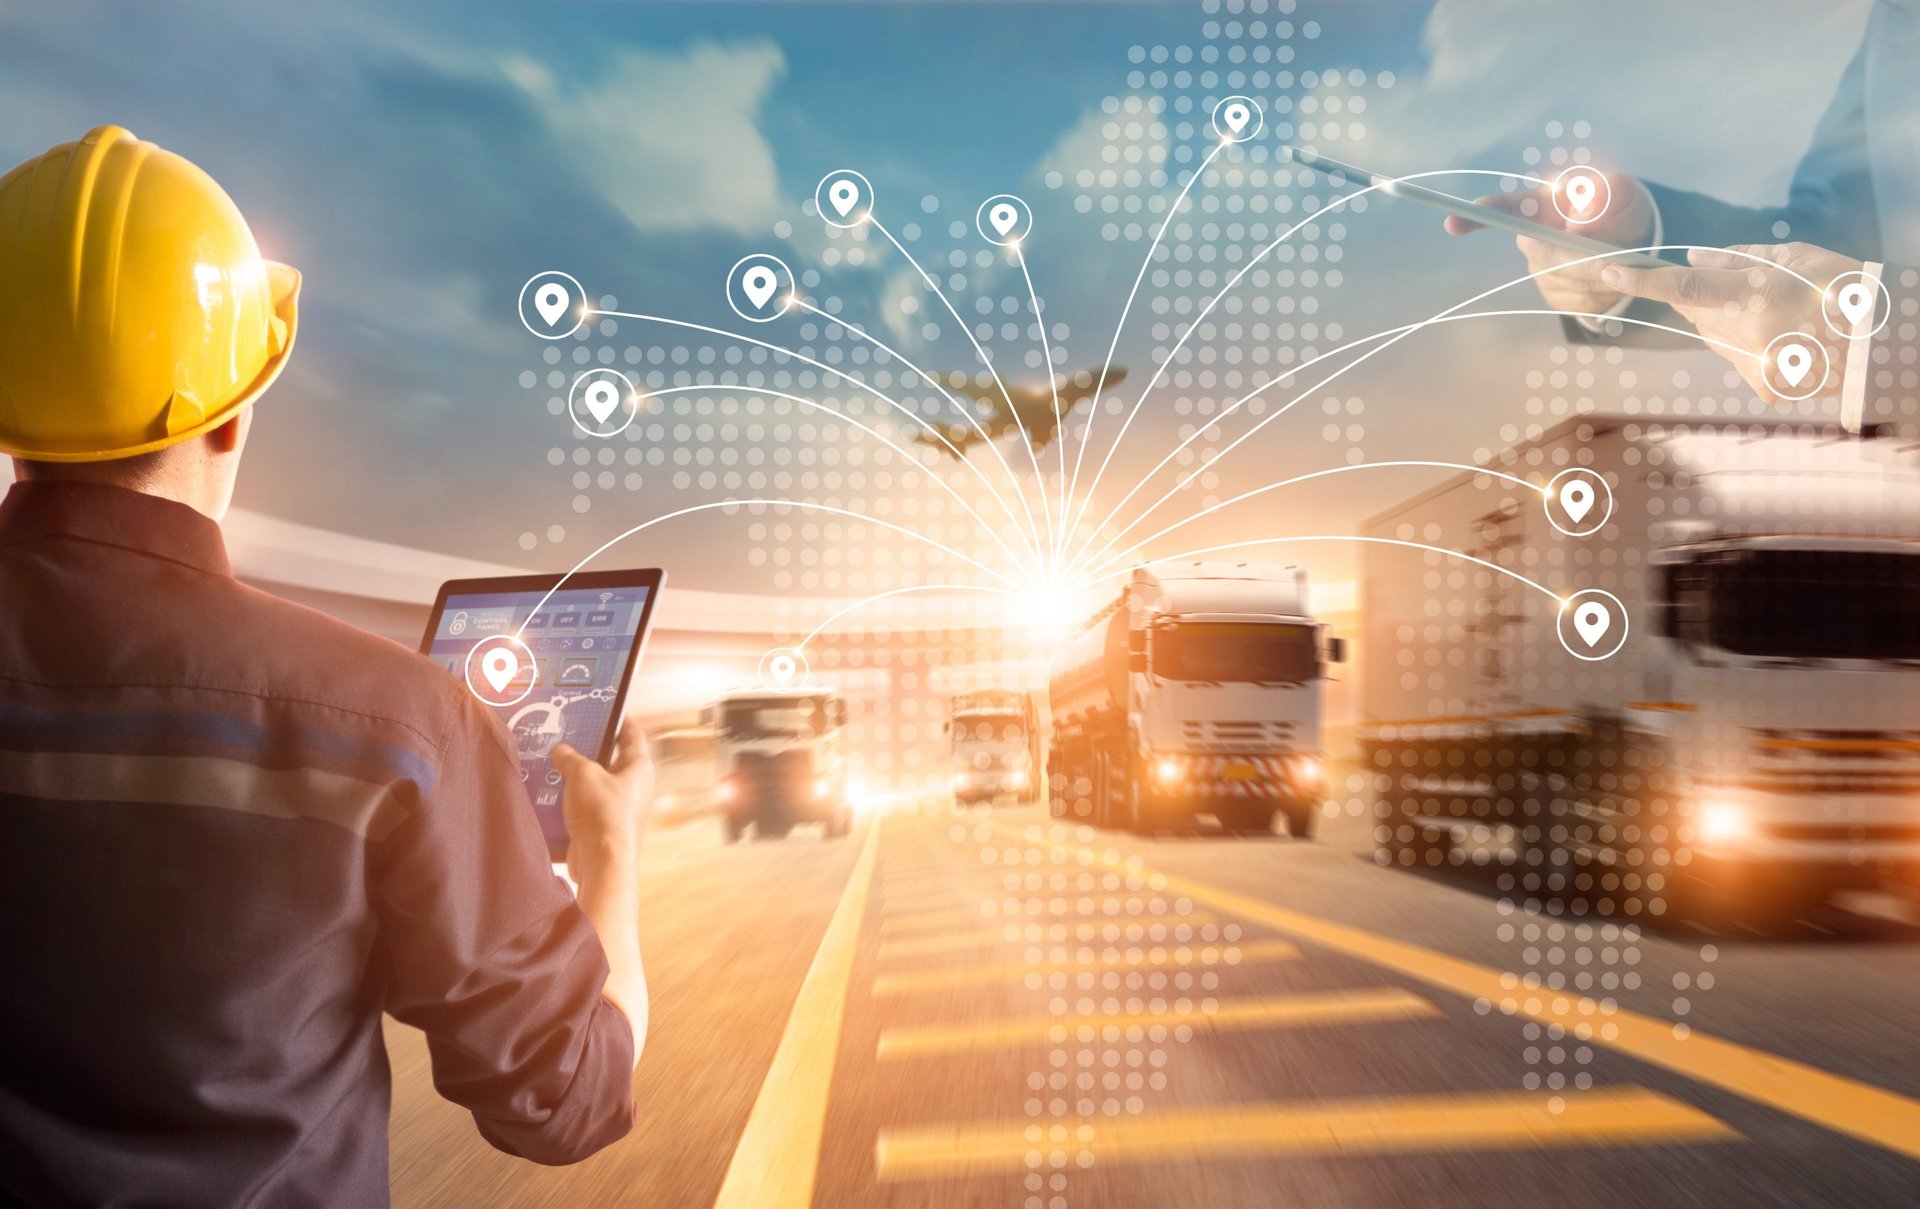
(1686, 288)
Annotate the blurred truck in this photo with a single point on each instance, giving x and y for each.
(781, 761)
(996, 741)
(1197, 691)
(1753, 745)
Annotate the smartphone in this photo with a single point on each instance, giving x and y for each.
(1485, 215)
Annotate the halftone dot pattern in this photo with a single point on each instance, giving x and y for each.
(1580, 878)
(1575, 926)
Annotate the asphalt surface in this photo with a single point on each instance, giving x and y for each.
(1010, 1012)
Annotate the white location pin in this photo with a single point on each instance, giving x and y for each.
(1591, 620)
(1003, 217)
(1236, 116)
(1794, 361)
(1856, 302)
(601, 399)
(759, 282)
(500, 665)
(843, 194)
(551, 301)
(1576, 499)
(1580, 192)
(782, 669)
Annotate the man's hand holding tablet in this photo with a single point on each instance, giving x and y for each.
(606, 811)
(1630, 221)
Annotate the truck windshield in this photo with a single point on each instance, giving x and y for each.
(1263, 652)
(773, 718)
(988, 728)
(1805, 604)
(682, 749)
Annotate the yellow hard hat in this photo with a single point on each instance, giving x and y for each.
(135, 310)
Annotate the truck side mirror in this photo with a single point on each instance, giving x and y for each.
(1336, 650)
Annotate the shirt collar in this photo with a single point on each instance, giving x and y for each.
(114, 516)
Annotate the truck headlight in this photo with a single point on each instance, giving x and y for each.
(1018, 778)
(1167, 769)
(822, 786)
(727, 790)
(1721, 823)
(1309, 770)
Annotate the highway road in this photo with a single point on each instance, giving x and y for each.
(989, 1008)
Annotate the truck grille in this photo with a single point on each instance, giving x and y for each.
(774, 766)
(1852, 833)
(1836, 761)
(1237, 736)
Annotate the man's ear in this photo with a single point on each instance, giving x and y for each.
(229, 437)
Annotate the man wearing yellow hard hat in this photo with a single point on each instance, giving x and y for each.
(233, 832)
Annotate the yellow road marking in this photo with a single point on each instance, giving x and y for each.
(1621, 1116)
(1216, 954)
(959, 940)
(1231, 1015)
(778, 1157)
(1835, 1102)
(965, 917)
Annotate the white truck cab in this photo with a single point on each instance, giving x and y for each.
(1196, 692)
(1753, 745)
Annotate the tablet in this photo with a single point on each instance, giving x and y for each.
(1485, 215)
(585, 638)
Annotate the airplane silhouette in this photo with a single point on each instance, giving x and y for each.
(1033, 410)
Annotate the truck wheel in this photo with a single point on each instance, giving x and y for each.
(734, 828)
(1102, 795)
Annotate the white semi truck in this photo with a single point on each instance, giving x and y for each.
(1753, 745)
(995, 740)
(1197, 691)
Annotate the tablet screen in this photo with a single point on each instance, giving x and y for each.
(583, 641)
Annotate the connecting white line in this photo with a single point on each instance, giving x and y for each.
(1086, 431)
(1400, 333)
(931, 284)
(878, 596)
(967, 412)
(935, 479)
(1301, 478)
(1558, 599)
(1059, 422)
(889, 400)
(1160, 370)
(737, 503)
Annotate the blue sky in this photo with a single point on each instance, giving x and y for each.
(419, 162)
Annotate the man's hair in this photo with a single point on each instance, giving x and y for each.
(139, 472)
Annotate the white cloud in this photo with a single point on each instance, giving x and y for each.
(672, 139)
(1133, 137)
(1674, 92)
